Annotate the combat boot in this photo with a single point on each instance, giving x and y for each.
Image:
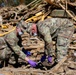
(12, 60)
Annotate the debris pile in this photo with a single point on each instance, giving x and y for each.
(34, 45)
(15, 14)
(36, 11)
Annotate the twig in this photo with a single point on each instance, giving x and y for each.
(67, 12)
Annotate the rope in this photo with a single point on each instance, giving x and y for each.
(7, 32)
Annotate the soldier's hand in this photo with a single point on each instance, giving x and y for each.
(43, 58)
(49, 59)
(32, 63)
(28, 53)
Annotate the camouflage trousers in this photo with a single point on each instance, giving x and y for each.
(63, 41)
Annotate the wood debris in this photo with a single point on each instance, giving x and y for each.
(34, 12)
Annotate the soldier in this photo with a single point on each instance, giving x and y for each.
(8, 43)
(61, 28)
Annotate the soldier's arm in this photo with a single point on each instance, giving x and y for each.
(18, 51)
(45, 31)
(48, 38)
(12, 40)
(49, 45)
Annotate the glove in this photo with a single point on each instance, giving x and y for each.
(32, 63)
(49, 59)
(43, 58)
(27, 52)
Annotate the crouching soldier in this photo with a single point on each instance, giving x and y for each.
(63, 30)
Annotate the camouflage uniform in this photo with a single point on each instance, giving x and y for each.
(63, 28)
(9, 43)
